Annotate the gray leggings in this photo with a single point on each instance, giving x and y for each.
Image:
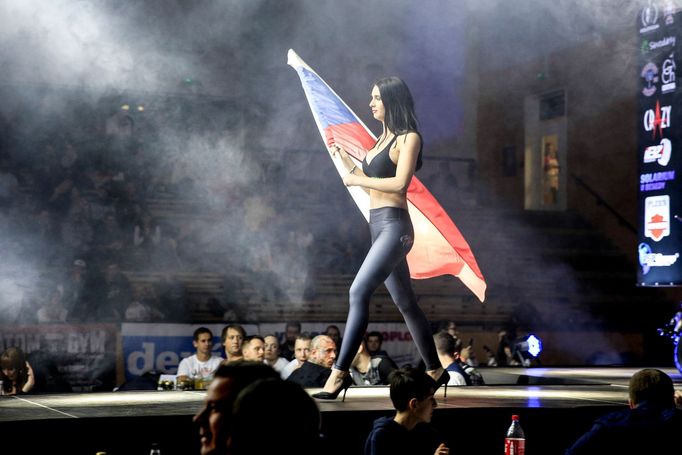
(392, 239)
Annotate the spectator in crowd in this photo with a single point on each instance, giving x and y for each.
(117, 294)
(52, 310)
(448, 348)
(253, 348)
(292, 330)
(334, 333)
(147, 233)
(232, 338)
(79, 289)
(268, 398)
(271, 356)
(468, 362)
(371, 369)
(315, 371)
(374, 341)
(76, 230)
(651, 424)
(110, 238)
(144, 306)
(16, 373)
(172, 297)
(215, 418)
(203, 363)
(449, 326)
(468, 355)
(504, 355)
(301, 352)
(408, 431)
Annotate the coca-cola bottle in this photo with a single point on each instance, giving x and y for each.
(515, 442)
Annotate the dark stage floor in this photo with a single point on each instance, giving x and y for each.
(555, 404)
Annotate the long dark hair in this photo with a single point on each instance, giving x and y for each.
(14, 358)
(400, 117)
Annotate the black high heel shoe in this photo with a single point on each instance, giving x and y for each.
(443, 380)
(347, 381)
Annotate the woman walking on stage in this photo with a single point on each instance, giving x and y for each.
(386, 174)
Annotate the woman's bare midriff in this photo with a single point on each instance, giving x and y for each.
(379, 199)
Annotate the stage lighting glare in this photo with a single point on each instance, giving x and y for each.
(527, 347)
(534, 345)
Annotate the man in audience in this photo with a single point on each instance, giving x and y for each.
(315, 371)
(215, 418)
(232, 338)
(291, 331)
(301, 351)
(271, 356)
(468, 362)
(652, 424)
(203, 363)
(371, 369)
(374, 341)
(448, 348)
(409, 430)
(334, 333)
(253, 348)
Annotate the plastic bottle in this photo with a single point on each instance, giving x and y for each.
(515, 442)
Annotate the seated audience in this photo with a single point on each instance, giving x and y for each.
(504, 355)
(292, 330)
(408, 431)
(16, 373)
(271, 356)
(334, 333)
(652, 424)
(203, 363)
(468, 362)
(52, 310)
(374, 341)
(252, 348)
(315, 371)
(232, 338)
(301, 352)
(215, 418)
(449, 326)
(144, 306)
(371, 369)
(448, 348)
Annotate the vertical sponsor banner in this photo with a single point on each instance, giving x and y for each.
(659, 143)
(83, 356)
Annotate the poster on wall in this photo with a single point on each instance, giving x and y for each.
(65, 357)
(658, 146)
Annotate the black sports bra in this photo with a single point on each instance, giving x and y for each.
(382, 166)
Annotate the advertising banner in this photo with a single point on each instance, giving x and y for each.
(658, 146)
(82, 357)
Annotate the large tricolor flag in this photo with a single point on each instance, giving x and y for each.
(439, 248)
